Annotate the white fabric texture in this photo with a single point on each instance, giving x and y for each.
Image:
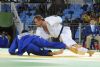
(92, 28)
(82, 49)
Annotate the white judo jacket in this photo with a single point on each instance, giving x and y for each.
(54, 26)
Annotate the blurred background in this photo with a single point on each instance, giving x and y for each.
(16, 15)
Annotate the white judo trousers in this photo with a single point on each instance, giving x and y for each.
(54, 26)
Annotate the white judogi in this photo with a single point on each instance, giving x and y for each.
(54, 27)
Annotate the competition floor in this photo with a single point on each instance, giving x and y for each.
(67, 59)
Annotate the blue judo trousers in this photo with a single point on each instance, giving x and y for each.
(33, 44)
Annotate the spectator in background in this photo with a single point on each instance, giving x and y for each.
(86, 17)
(91, 32)
(4, 42)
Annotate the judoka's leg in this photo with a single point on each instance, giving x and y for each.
(98, 38)
(13, 47)
(37, 51)
(44, 43)
(73, 46)
(78, 49)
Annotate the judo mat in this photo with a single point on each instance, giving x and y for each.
(67, 59)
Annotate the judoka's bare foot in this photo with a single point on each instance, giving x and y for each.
(56, 52)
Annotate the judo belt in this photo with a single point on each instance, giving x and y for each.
(57, 39)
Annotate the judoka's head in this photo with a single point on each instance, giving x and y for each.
(38, 19)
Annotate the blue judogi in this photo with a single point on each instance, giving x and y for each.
(31, 48)
(4, 42)
(33, 44)
(40, 42)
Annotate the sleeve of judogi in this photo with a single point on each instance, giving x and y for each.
(66, 37)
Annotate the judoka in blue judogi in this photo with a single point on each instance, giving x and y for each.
(4, 42)
(33, 44)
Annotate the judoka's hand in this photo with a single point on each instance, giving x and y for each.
(58, 52)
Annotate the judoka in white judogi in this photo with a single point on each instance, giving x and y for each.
(54, 26)
(51, 26)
